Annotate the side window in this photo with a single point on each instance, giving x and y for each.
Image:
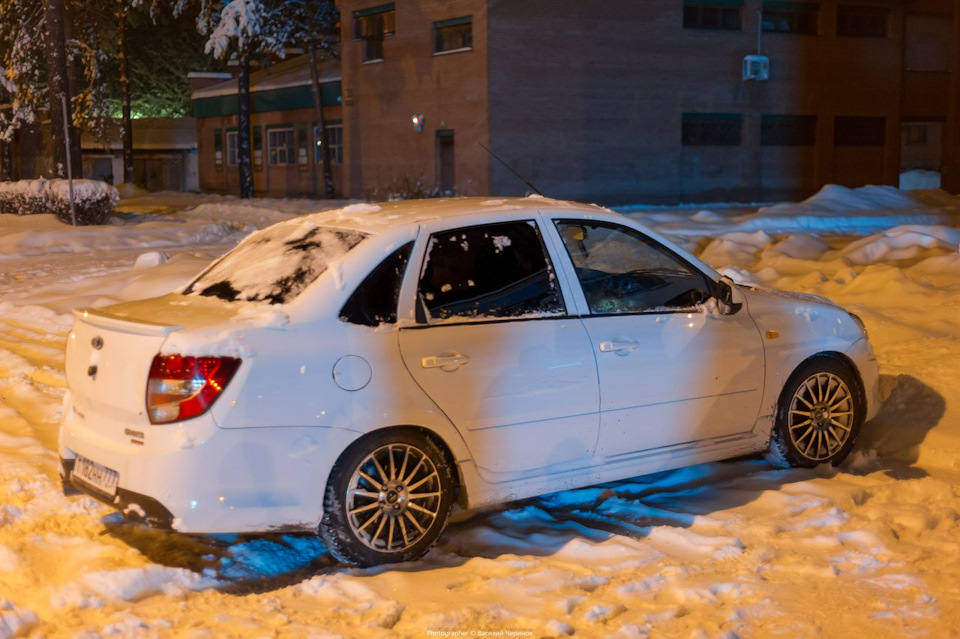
(490, 271)
(623, 271)
(375, 300)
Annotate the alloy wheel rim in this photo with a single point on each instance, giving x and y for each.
(821, 416)
(393, 498)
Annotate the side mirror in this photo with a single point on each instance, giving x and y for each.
(725, 297)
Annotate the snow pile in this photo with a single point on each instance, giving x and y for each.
(732, 549)
(93, 201)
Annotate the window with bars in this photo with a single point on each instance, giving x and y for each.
(372, 26)
(855, 20)
(711, 129)
(788, 130)
(709, 15)
(453, 35)
(280, 146)
(791, 17)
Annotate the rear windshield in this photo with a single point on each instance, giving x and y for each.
(276, 264)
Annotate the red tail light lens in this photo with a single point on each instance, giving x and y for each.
(181, 387)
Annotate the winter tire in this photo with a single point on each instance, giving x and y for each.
(388, 499)
(818, 416)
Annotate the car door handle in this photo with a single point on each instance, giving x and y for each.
(618, 345)
(444, 361)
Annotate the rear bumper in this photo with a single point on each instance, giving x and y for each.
(196, 477)
(134, 506)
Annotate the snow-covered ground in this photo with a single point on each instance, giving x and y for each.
(734, 549)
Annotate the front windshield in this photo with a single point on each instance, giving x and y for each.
(276, 264)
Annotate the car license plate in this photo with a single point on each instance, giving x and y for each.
(96, 476)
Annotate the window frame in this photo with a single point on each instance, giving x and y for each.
(691, 125)
(290, 150)
(335, 146)
(232, 144)
(694, 12)
(771, 137)
(423, 316)
(453, 25)
(385, 14)
(796, 14)
(710, 285)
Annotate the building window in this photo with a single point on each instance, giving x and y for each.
(859, 131)
(280, 146)
(233, 144)
(712, 15)
(218, 147)
(334, 131)
(711, 129)
(788, 130)
(453, 35)
(303, 145)
(372, 26)
(257, 147)
(790, 17)
(862, 21)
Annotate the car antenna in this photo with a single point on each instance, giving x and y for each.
(510, 168)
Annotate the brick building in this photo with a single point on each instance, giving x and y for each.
(626, 100)
(285, 136)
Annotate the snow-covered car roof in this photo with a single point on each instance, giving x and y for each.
(381, 217)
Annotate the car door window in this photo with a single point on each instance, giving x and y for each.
(490, 271)
(375, 300)
(623, 271)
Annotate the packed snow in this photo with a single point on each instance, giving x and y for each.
(731, 549)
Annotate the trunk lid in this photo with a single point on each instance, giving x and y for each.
(110, 350)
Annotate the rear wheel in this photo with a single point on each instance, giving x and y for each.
(388, 499)
(819, 415)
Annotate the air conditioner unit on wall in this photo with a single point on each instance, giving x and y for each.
(756, 67)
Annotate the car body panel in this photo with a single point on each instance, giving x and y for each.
(537, 406)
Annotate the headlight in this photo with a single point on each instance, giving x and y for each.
(856, 318)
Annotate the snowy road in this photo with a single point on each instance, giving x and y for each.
(734, 549)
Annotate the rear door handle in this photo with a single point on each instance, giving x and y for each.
(445, 361)
(618, 346)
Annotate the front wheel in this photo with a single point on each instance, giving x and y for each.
(388, 499)
(818, 416)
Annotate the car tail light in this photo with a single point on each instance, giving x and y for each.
(181, 387)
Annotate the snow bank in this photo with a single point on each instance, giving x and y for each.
(93, 200)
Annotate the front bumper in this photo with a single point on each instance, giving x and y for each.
(862, 355)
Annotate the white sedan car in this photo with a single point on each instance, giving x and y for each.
(359, 372)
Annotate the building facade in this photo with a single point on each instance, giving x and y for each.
(287, 155)
(659, 101)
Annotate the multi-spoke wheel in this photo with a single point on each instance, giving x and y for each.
(388, 499)
(819, 414)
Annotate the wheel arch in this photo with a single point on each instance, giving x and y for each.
(460, 490)
(845, 361)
